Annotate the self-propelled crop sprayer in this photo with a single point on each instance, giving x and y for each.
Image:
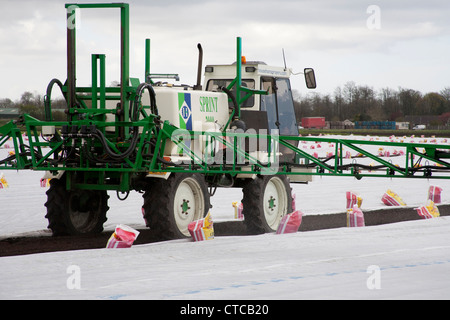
(177, 143)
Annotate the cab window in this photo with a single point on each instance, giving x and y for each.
(214, 84)
(279, 105)
(286, 113)
(268, 102)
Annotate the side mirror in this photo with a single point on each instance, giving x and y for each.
(310, 78)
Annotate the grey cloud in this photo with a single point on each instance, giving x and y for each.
(32, 33)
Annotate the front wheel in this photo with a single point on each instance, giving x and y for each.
(170, 205)
(267, 199)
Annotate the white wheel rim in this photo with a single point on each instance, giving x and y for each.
(188, 204)
(275, 202)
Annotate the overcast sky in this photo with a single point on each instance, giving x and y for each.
(376, 43)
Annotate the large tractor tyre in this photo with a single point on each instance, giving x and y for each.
(75, 212)
(266, 200)
(170, 205)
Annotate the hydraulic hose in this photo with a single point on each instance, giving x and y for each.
(136, 105)
(230, 96)
(47, 98)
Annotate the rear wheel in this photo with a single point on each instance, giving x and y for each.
(170, 205)
(266, 200)
(74, 212)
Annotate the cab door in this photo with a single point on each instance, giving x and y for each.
(285, 107)
(279, 105)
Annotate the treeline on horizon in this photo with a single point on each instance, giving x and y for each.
(363, 103)
(352, 102)
(33, 104)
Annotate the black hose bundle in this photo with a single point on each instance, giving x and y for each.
(111, 153)
(134, 113)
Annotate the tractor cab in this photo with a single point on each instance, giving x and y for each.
(274, 109)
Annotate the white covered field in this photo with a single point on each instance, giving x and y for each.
(409, 260)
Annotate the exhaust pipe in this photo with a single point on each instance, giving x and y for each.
(198, 86)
